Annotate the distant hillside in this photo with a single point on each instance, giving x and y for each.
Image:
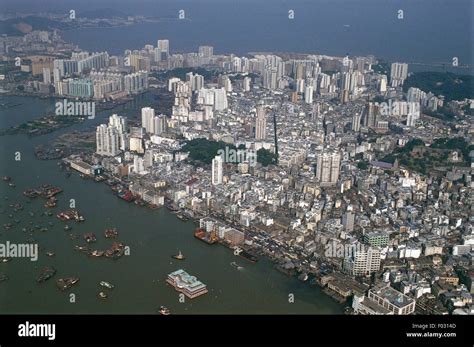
(21, 26)
(452, 86)
(103, 13)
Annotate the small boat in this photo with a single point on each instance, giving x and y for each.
(106, 285)
(13, 185)
(102, 295)
(6, 260)
(81, 248)
(50, 254)
(164, 311)
(7, 178)
(67, 227)
(179, 256)
(237, 266)
(3, 278)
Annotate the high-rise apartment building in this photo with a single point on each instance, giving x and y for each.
(148, 114)
(217, 169)
(261, 123)
(107, 140)
(327, 167)
(398, 74)
(363, 262)
(162, 50)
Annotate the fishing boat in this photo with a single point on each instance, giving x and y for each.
(66, 283)
(110, 233)
(46, 274)
(51, 202)
(106, 284)
(179, 256)
(96, 253)
(90, 237)
(164, 311)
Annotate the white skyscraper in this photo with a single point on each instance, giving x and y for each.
(120, 123)
(138, 165)
(308, 94)
(356, 118)
(47, 75)
(220, 99)
(107, 140)
(398, 74)
(383, 84)
(159, 124)
(261, 123)
(227, 85)
(217, 164)
(246, 84)
(147, 119)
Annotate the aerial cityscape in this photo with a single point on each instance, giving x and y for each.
(142, 178)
